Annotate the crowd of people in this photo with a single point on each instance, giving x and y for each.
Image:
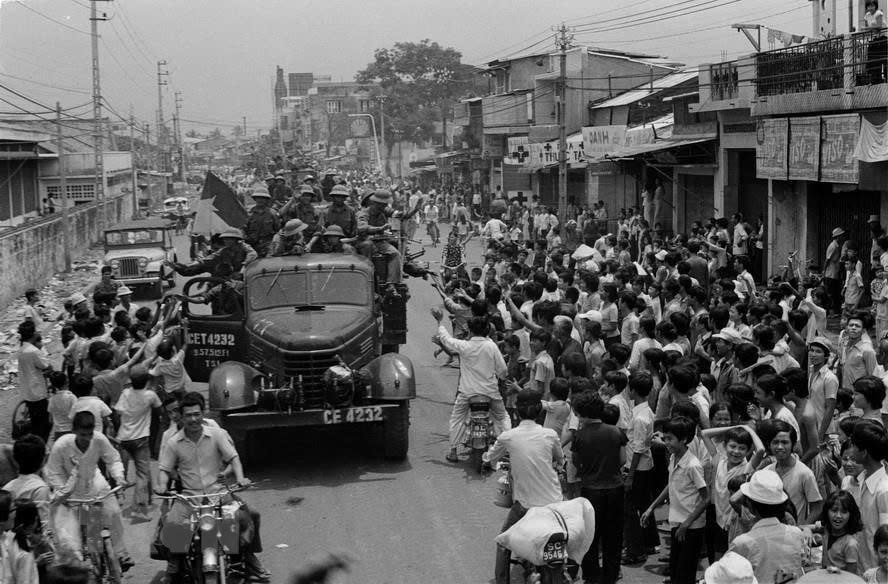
(116, 401)
(637, 370)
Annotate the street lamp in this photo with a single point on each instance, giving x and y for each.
(375, 138)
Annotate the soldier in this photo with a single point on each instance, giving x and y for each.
(374, 228)
(234, 251)
(318, 191)
(262, 223)
(303, 210)
(282, 191)
(330, 242)
(289, 240)
(338, 213)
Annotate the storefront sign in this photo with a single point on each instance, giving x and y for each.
(517, 150)
(804, 148)
(837, 162)
(601, 140)
(770, 154)
(541, 155)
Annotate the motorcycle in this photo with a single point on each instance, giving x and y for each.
(212, 537)
(480, 434)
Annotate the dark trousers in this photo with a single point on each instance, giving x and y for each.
(683, 556)
(40, 421)
(608, 505)
(716, 537)
(503, 567)
(834, 291)
(637, 538)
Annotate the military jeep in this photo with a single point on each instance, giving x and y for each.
(315, 345)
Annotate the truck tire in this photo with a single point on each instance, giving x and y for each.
(396, 434)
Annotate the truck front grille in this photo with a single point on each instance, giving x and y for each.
(311, 368)
(129, 268)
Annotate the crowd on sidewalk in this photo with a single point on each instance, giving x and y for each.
(636, 369)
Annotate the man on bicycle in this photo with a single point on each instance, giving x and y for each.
(431, 213)
(72, 471)
(199, 454)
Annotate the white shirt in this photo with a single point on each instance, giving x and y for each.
(641, 430)
(873, 511)
(533, 451)
(32, 362)
(480, 364)
(135, 407)
(72, 471)
(495, 228)
(686, 478)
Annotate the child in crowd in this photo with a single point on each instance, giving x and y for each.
(542, 368)
(61, 401)
(558, 408)
(879, 573)
(840, 523)
(169, 365)
(82, 387)
(29, 453)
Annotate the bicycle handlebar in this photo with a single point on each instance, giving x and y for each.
(97, 499)
(187, 498)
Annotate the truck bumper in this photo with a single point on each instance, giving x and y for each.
(356, 415)
(138, 281)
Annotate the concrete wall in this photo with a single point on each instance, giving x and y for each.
(788, 214)
(31, 254)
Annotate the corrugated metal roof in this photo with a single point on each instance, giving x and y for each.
(648, 89)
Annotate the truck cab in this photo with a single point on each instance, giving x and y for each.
(308, 348)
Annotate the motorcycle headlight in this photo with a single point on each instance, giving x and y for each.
(115, 264)
(143, 262)
(207, 523)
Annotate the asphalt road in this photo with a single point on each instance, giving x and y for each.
(325, 491)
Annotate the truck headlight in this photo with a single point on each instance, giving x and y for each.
(115, 264)
(143, 262)
(207, 522)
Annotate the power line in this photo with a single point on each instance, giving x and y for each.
(122, 42)
(41, 84)
(658, 18)
(50, 18)
(623, 19)
(129, 33)
(122, 68)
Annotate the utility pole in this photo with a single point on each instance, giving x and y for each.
(148, 159)
(245, 126)
(135, 177)
(381, 99)
(63, 188)
(179, 143)
(161, 135)
(563, 40)
(98, 132)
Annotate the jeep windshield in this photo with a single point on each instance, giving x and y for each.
(315, 288)
(139, 236)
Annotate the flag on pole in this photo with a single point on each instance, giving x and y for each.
(218, 208)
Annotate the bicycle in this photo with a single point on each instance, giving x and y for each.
(99, 555)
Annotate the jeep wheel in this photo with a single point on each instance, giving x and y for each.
(396, 433)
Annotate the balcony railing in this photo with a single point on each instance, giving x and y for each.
(724, 81)
(869, 54)
(802, 69)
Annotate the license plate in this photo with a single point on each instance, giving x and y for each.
(555, 551)
(353, 415)
(479, 434)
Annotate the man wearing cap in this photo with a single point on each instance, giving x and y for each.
(832, 269)
(330, 241)
(304, 210)
(234, 251)
(722, 367)
(373, 226)
(770, 546)
(289, 240)
(262, 223)
(282, 191)
(124, 302)
(823, 385)
(338, 213)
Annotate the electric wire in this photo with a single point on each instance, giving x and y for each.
(50, 18)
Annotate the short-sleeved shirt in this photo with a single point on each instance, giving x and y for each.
(629, 328)
(198, 463)
(721, 495)
(641, 431)
(874, 512)
(134, 407)
(108, 384)
(823, 385)
(770, 546)
(686, 478)
(60, 406)
(32, 362)
(542, 371)
(800, 484)
(596, 454)
(93, 404)
(841, 552)
(173, 372)
(557, 414)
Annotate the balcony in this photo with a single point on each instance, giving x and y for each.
(841, 73)
(726, 86)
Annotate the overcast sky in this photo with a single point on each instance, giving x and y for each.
(222, 53)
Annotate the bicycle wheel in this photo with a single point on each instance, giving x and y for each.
(112, 572)
(21, 421)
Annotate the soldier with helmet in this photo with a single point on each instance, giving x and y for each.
(330, 242)
(373, 226)
(339, 213)
(289, 240)
(262, 223)
(234, 251)
(311, 181)
(282, 191)
(304, 210)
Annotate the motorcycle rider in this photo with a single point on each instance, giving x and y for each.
(480, 366)
(198, 454)
(289, 240)
(304, 210)
(534, 453)
(234, 251)
(262, 223)
(339, 213)
(72, 471)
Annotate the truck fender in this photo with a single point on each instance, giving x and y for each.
(391, 377)
(233, 386)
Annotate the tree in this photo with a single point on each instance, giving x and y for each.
(419, 81)
(192, 133)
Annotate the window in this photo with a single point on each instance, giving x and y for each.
(364, 106)
(77, 193)
(334, 106)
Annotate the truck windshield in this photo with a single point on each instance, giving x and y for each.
(324, 288)
(134, 237)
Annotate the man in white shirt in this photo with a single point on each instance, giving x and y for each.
(33, 364)
(534, 453)
(481, 365)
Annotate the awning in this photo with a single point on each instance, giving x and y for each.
(657, 146)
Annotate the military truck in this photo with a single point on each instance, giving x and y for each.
(315, 345)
